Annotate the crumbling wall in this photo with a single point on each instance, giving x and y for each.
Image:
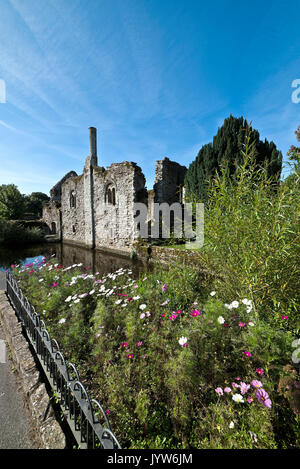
(51, 216)
(169, 181)
(55, 192)
(115, 191)
(72, 206)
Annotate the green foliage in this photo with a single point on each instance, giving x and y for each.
(14, 233)
(226, 149)
(16, 206)
(251, 239)
(12, 202)
(34, 204)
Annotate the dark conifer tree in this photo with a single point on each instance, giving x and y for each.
(226, 148)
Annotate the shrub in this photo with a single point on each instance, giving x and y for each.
(14, 233)
(251, 239)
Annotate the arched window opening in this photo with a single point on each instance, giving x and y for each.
(72, 199)
(110, 196)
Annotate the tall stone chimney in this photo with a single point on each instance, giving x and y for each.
(93, 146)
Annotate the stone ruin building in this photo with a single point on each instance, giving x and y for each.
(95, 209)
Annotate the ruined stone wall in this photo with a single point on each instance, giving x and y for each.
(113, 217)
(73, 210)
(169, 180)
(55, 192)
(51, 216)
(97, 208)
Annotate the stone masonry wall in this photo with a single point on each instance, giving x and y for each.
(169, 180)
(114, 222)
(73, 217)
(97, 206)
(51, 214)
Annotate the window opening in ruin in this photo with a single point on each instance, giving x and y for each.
(110, 196)
(72, 199)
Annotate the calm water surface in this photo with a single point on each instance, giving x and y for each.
(68, 255)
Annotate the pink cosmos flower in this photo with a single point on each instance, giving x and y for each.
(139, 343)
(107, 412)
(124, 344)
(250, 399)
(235, 386)
(283, 317)
(130, 355)
(244, 388)
(164, 288)
(54, 284)
(172, 317)
(165, 303)
(219, 391)
(260, 371)
(227, 389)
(195, 313)
(242, 324)
(256, 384)
(247, 354)
(263, 397)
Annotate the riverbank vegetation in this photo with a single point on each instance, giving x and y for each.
(180, 360)
(14, 233)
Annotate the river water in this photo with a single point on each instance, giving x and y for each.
(67, 255)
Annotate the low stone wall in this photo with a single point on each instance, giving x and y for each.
(48, 429)
(166, 255)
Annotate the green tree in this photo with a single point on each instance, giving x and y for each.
(226, 148)
(34, 203)
(12, 202)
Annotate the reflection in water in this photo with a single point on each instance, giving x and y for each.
(68, 255)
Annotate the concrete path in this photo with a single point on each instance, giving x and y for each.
(15, 425)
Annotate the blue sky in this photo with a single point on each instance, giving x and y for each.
(156, 77)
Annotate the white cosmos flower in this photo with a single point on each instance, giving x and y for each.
(92, 291)
(250, 323)
(213, 293)
(77, 300)
(118, 302)
(136, 298)
(68, 299)
(231, 425)
(235, 304)
(221, 320)
(61, 321)
(143, 306)
(238, 398)
(182, 340)
(41, 280)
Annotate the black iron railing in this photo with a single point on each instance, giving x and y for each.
(81, 412)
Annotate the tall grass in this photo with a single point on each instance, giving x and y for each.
(252, 238)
